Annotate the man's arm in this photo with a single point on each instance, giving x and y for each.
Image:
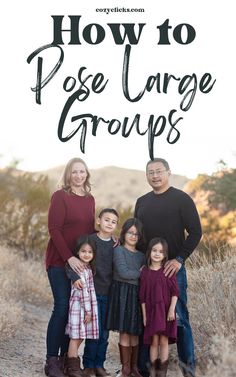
(192, 225)
(190, 222)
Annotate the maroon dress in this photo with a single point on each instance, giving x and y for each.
(156, 291)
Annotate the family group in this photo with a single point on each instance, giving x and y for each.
(135, 284)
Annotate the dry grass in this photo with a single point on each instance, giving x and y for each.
(212, 304)
(10, 317)
(21, 281)
(223, 363)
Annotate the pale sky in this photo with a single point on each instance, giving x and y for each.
(207, 130)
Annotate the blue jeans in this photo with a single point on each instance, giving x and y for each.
(57, 341)
(185, 345)
(95, 349)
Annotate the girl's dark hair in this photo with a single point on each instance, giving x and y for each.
(127, 225)
(86, 240)
(154, 242)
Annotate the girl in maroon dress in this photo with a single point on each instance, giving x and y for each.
(158, 297)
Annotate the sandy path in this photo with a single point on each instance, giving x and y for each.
(23, 355)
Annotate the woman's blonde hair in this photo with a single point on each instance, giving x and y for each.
(64, 182)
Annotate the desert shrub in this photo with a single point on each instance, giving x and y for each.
(24, 200)
(215, 197)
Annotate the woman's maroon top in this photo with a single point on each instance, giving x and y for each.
(70, 216)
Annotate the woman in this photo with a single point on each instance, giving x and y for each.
(71, 215)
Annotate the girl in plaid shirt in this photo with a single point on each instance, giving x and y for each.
(83, 312)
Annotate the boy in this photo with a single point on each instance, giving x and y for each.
(95, 349)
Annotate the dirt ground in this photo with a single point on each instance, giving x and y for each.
(23, 355)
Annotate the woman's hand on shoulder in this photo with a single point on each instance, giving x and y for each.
(76, 264)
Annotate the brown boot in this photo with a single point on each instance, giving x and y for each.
(154, 368)
(89, 372)
(134, 362)
(125, 357)
(102, 372)
(72, 368)
(52, 367)
(162, 369)
(62, 361)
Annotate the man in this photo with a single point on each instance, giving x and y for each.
(169, 213)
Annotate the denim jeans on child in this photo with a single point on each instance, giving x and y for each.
(57, 341)
(95, 349)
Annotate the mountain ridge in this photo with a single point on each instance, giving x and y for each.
(113, 186)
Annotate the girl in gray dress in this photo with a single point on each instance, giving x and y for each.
(124, 314)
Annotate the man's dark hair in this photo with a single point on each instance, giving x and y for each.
(164, 162)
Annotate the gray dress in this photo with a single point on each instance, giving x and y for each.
(124, 313)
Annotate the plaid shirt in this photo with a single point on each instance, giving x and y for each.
(83, 301)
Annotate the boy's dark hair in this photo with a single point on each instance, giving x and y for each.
(158, 159)
(108, 210)
(84, 240)
(127, 225)
(153, 242)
